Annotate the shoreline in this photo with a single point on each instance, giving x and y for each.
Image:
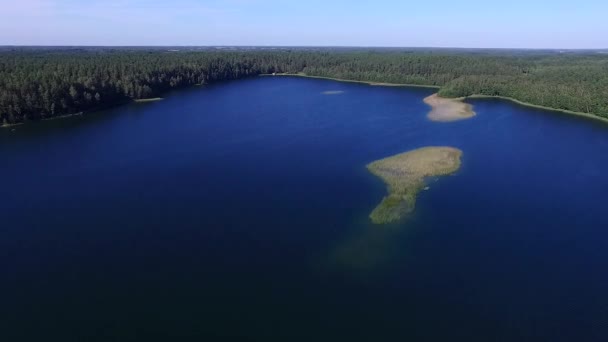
(462, 98)
(531, 105)
(66, 116)
(378, 84)
(11, 125)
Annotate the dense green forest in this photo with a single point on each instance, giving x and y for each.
(42, 83)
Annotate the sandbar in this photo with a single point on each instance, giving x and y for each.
(447, 110)
(149, 100)
(333, 92)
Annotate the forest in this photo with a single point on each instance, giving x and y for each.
(43, 83)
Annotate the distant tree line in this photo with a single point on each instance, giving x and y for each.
(38, 84)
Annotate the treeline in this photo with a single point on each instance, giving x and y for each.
(42, 84)
(38, 84)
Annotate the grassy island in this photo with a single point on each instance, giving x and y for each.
(447, 110)
(404, 175)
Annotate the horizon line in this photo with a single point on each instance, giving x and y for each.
(304, 46)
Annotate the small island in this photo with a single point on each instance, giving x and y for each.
(404, 175)
(153, 99)
(447, 110)
(333, 92)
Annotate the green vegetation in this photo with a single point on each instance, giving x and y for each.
(43, 83)
(404, 175)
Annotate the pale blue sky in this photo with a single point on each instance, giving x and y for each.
(438, 23)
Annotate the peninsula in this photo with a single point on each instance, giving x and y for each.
(448, 110)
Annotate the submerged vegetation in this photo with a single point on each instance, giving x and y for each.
(404, 175)
(37, 83)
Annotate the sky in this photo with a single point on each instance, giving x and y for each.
(557, 24)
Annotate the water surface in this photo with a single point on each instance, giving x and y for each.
(240, 211)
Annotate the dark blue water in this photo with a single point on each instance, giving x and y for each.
(239, 212)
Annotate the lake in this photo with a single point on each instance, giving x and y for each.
(239, 211)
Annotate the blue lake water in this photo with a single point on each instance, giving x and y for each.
(239, 211)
